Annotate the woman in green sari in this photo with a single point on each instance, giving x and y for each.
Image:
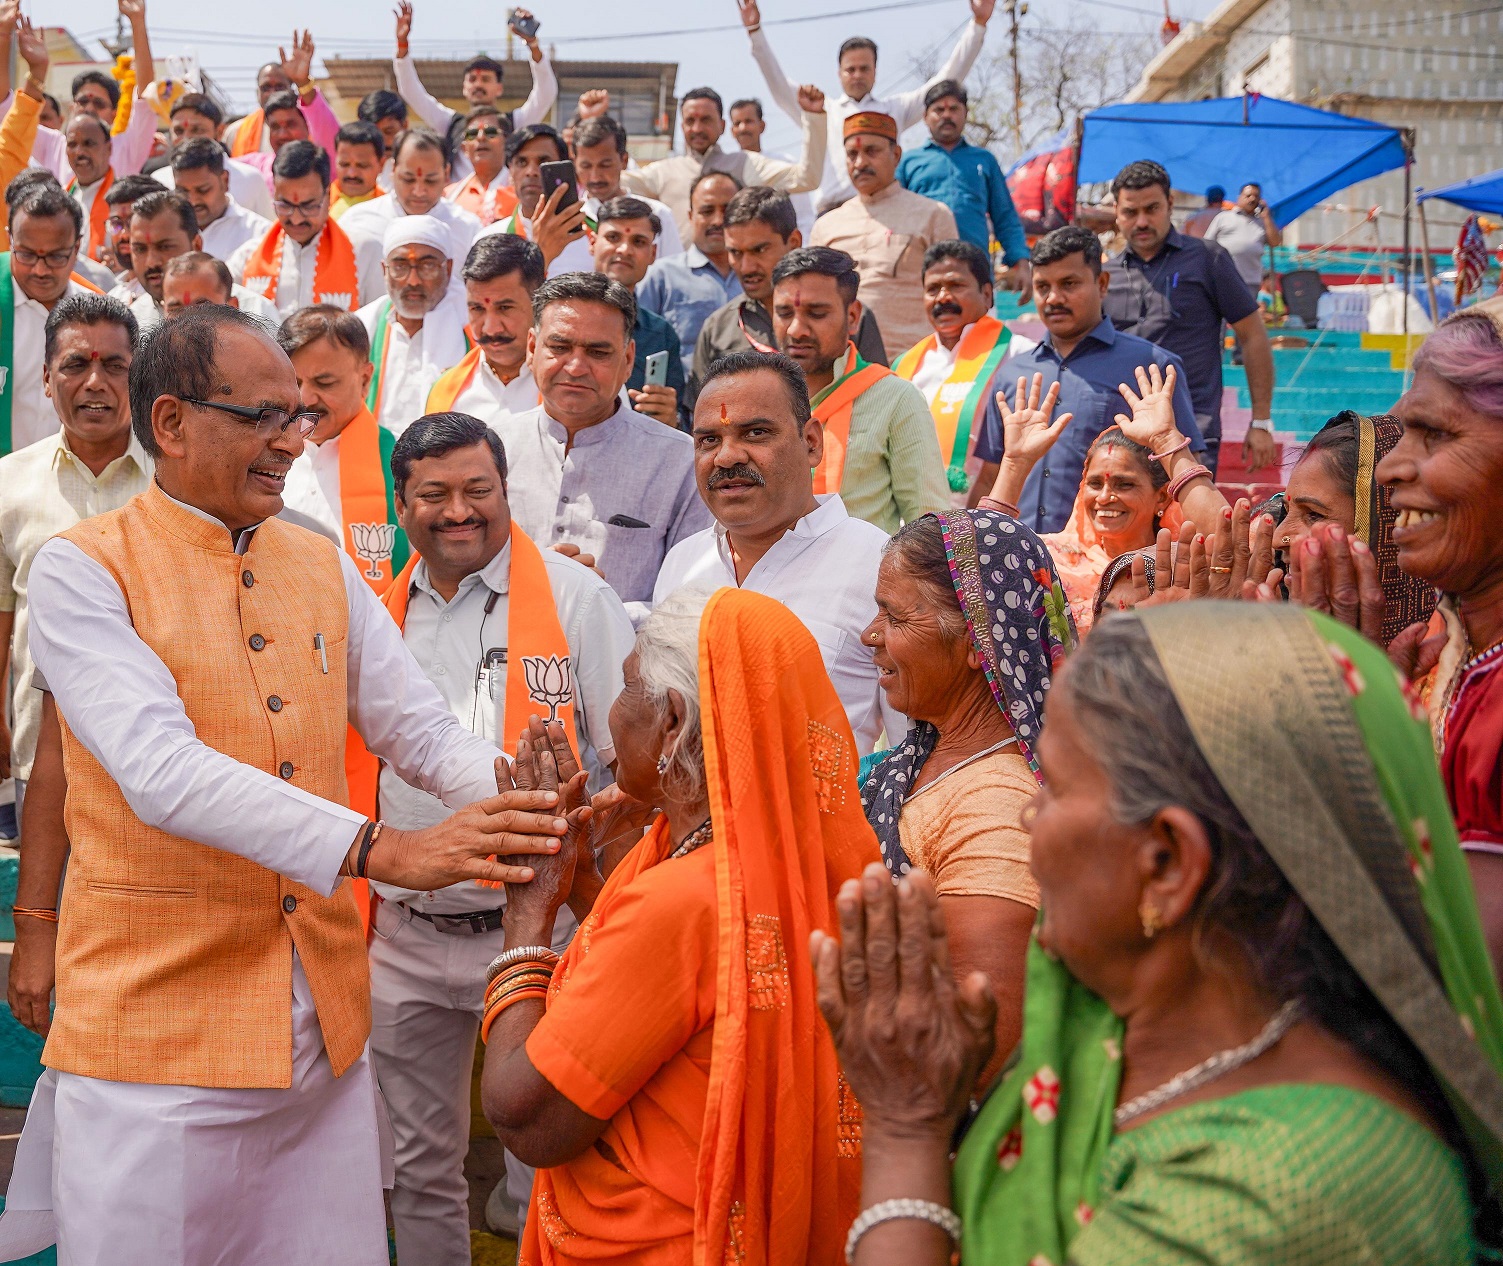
(1260, 1024)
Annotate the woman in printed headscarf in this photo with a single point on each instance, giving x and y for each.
(679, 1094)
(1260, 1028)
(970, 626)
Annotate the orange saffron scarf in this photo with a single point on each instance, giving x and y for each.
(773, 1173)
(451, 385)
(248, 134)
(98, 213)
(336, 279)
(480, 200)
(834, 413)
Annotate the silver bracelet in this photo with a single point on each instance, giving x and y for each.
(503, 960)
(947, 1220)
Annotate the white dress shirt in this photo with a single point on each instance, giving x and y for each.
(237, 226)
(939, 360)
(414, 362)
(462, 646)
(312, 489)
(906, 107)
(149, 314)
(32, 416)
(492, 401)
(824, 570)
(247, 188)
(299, 264)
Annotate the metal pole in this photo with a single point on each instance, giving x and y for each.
(1426, 265)
(1014, 11)
(1408, 200)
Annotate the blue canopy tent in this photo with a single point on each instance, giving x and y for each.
(1298, 154)
(1483, 194)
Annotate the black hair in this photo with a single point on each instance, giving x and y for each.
(629, 208)
(1143, 174)
(946, 88)
(530, 133)
(437, 434)
(591, 132)
(100, 80)
(199, 152)
(483, 62)
(750, 362)
(765, 205)
(87, 309)
(1340, 440)
(130, 188)
(703, 94)
(324, 320)
(297, 159)
(424, 139)
(361, 133)
(177, 358)
(712, 175)
(383, 103)
(853, 44)
(491, 112)
(740, 102)
(153, 204)
(968, 253)
(1113, 437)
(1251, 184)
(30, 178)
(826, 261)
(57, 106)
(286, 100)
(46, 201)
(501, 254)
(1066, 241)
(1215, 194)
(193, 261)
(199, 103)
(590, 287)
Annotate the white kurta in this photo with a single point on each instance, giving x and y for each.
(413, 362)
(299, 266)
(492, 401)
(32, 416)
(144, 1175)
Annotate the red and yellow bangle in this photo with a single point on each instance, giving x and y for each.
(47, 916)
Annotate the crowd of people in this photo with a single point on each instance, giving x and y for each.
(869, 791)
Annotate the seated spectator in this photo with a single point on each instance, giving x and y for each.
(755, 441)
(587, 470)
(968, 651)
(625, 235)
(359, 163)
(686, 289)
(1191, 1086)
(880, 450)
(885, 228)
(1088, 358)
(193, 278)
(966, 178)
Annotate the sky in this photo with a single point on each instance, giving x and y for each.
(706, 39)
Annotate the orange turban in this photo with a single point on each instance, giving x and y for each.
(871, 121)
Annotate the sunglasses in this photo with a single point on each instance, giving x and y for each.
(489, 132)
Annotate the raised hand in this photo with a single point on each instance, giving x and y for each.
(981, 10)
(298, 67)
(1027, 432)
(594, 102)
(553, 229)
(525, 15)
(811, 100)
(910, 1042)
(403, 13)
(751, 15)
(10, 12)
(132, 10)
(1151, 423)
(33, 48)
(1338, 575)
(1180, 570)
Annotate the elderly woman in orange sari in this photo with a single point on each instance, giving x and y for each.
(1139, 477)
(678, 1094)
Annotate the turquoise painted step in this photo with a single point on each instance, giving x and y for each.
(1334, 399)
(47, 1257)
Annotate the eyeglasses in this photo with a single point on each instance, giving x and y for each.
(268, 422)
(428, 269)
(53, 259)
(302, 208)
(489, 132)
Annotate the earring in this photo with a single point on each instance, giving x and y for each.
(662, 765)
(1153, 920)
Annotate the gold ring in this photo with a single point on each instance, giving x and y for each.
(1221, 571)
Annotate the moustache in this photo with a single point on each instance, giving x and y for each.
(944, 308)
(732, 474)
(1055, 310)
(472, 521)
(494, 340)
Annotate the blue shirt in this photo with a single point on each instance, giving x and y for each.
(686, 289)
(1088, 380)
(653, 334)
(1178, 299)
(968, 180)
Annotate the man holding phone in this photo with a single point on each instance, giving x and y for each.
(482, 84)
(1245, 230)
(625, 246)
(548, 209)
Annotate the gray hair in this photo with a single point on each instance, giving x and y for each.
(668, 659)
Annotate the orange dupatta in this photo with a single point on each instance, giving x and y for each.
(248, 134)
(336, 279)
(777, 1176)
(99, 212)
(534, 640)
(452, 382)
(834, 414)
(480, 200)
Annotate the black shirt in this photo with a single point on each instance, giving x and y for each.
(1178, 299)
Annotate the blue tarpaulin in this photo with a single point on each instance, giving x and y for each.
(1483, 194)
(1298, 154)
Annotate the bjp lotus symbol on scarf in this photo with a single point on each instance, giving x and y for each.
(374, 542)
(549, 681)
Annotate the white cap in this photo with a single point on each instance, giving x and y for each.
(417, 230)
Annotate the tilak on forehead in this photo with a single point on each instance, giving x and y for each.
(724, 416)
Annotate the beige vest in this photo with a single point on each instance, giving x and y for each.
(174, 959)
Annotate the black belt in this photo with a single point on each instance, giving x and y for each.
(461, 924)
